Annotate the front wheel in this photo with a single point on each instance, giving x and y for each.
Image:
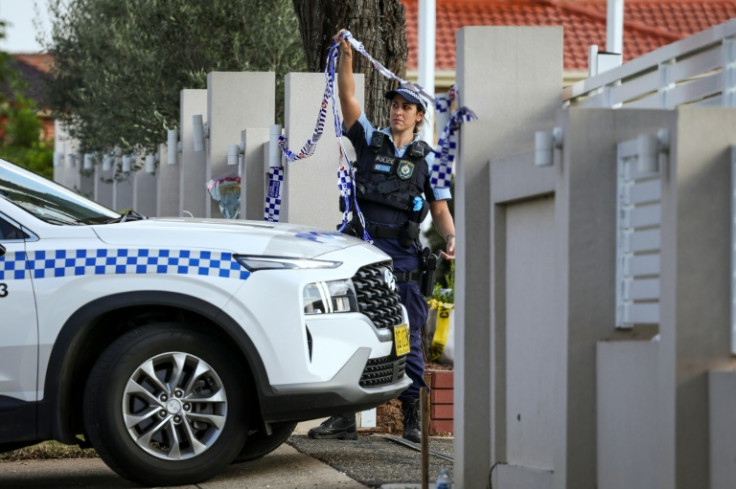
(164, 406)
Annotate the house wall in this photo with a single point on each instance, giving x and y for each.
(702, 172)
(235, 101)
(168, 181)
(628, 411)
(633, 405)
(102, 186)
(535, 338)
(193, 173)
(255, 140)
(122, 193)
(510, 77)
(310, 191)
(68, 172)
(722, 399)
(587, 188)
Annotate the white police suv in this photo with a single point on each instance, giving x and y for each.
(177, 346)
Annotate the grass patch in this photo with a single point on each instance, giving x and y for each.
(46, 451)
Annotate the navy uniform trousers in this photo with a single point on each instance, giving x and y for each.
(416, 308)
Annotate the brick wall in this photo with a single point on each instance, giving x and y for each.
(441, 384)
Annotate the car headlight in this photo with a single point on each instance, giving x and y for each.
(330, 297)
(255, 263)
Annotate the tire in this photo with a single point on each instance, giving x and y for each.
(260, 444)
(185, 423)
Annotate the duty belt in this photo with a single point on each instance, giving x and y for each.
(385, 232)
(414, 275)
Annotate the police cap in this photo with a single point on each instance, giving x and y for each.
(410, 95)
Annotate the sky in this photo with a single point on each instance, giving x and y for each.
(20, 37)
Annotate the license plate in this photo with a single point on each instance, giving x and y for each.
(401, 339)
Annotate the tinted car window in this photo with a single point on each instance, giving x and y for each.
(48, 201)
(10, 232)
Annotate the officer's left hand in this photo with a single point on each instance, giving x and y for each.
(449, 253)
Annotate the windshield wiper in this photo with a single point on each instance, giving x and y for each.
(130, 215)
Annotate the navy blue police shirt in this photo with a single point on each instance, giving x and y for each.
(405, 259)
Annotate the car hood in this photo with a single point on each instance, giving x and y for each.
(244, 237)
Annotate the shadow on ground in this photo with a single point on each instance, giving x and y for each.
(374, 460)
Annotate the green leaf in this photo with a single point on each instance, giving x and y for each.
(120, 66)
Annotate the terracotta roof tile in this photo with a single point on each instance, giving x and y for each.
(31, 70)
(40, 61)
(648, 24)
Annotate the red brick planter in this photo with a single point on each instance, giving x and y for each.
(441, 384)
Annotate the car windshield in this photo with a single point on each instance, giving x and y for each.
(47, 200)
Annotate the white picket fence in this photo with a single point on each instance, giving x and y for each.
(698, 70)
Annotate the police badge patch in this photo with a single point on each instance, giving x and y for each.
(405, 169)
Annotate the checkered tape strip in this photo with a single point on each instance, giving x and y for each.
(345, 169)
(124, 261)
(310, 146)
(441, 174)
(358, 46)
(272, 211)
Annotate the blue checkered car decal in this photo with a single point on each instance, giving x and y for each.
(75, 263)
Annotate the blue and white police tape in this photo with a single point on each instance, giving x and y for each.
(447, 145)
(345, 171)
(358, 46)
(43, 264)
(272, 210)
(441, 173)
(308, 148)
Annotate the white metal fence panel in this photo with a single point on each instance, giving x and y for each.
(638, 237)
(698, 70)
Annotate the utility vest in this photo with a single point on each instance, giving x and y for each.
(391, 181)
(396, 183)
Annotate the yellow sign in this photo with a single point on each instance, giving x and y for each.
(401, 339)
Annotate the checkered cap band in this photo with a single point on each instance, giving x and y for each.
(409, 94)
(123, 261)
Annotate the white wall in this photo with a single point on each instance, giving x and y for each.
(629, 404)
(235, 101)
(168, 183)
(510, 77)
(193, 171)
(310, 194)
(722, 399)
(534, 335)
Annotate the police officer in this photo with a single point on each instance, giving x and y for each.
(394, 194)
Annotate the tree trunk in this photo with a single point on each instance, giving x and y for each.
(378, 24)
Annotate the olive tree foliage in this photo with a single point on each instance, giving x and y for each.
(120, 65)
(378, 24)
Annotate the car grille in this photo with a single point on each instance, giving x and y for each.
(375, 299)
(384, 370)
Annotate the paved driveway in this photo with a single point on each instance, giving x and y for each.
(369, 462)
(285, 468)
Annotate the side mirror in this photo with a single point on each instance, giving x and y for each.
(2, 250)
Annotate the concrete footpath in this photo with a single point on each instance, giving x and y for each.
(285, 468)
(372, 461)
